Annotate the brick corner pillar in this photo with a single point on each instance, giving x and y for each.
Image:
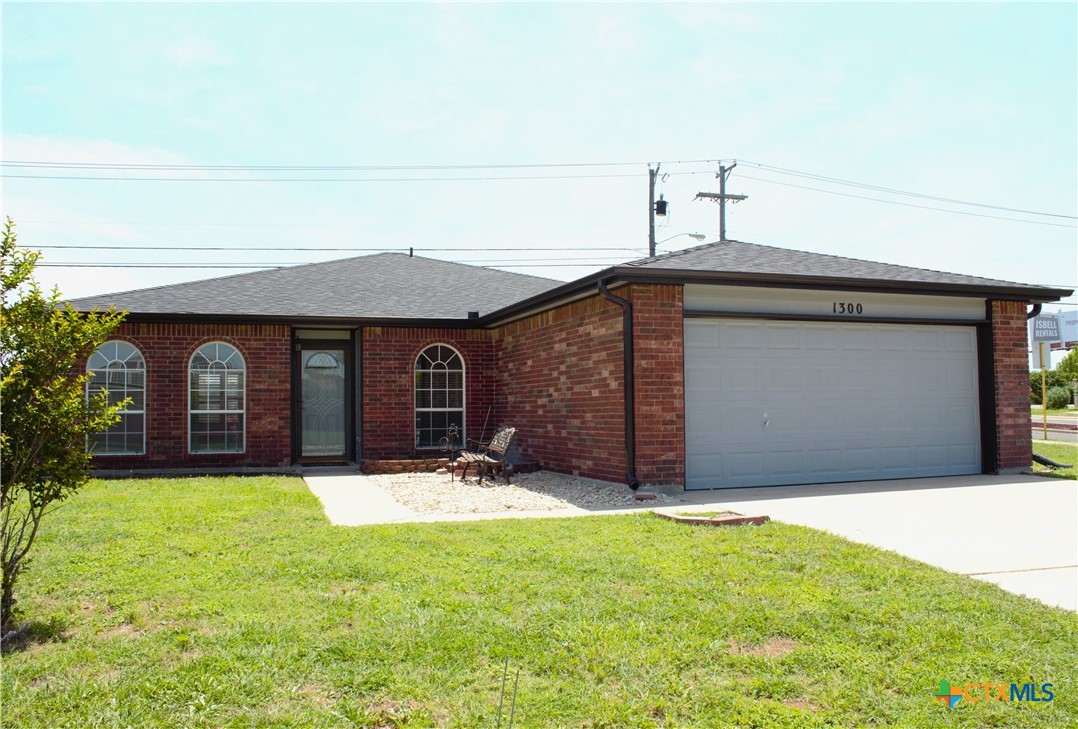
(1010, 369)
(658, 343)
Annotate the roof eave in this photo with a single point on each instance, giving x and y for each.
(1035, 294)
(634, 274)
(343, 322)
(630, 274)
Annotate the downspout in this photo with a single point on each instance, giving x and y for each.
(1036, 311)
(630, 387)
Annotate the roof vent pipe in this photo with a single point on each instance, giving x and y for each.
(473, 314)
(630, 385)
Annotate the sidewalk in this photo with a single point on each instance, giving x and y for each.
(351, 500)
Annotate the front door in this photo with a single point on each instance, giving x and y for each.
(323, 385)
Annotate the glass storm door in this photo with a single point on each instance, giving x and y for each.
(324, 413)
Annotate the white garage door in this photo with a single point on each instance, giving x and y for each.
(770, 403)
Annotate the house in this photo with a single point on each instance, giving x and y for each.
(746, 365)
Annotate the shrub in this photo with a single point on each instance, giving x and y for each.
(1058, 398)
(1055, 379)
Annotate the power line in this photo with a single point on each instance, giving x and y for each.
(290, 265)
(273, 264)
(316, 179)
(301, 250)
(893, 191)
(907, 205)
(311, 168)
(116, 166)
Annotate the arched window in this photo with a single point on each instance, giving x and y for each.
(218, 399)
(119, 369)
(439, 395)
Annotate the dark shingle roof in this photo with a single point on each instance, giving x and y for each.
(749, 258)
(385, 285)
(393, 286)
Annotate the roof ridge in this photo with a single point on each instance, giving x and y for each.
(282, 269)
(881, 263)
(266, 272)
(671, 254)
(716, 244)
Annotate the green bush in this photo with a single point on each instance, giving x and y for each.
(1058, 398)
(1055, 379)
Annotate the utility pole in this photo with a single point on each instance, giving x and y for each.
(722, 197)
(652, 174)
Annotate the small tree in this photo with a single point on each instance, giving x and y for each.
(1068, 368)
(46, 414)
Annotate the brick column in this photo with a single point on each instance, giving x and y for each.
(1010, 367)
(658, 334)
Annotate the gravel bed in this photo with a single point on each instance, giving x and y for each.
(432, 493)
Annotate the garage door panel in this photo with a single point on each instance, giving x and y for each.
(825, 337)
(782, 337)
(848, 402)
(959, 418)
(780, 377)
(740, 336)
(781, 463)
(743, 465)
(863, 459)
(958, 455)
(819, 378)
(700, 334)
(958, 340)
(859, 377)
(959, 377)
(743, 378)
(895, 459)
(895, 340)
(824, 462)
(932, 456)
(862, 421)
(857, 338)
(927, 341)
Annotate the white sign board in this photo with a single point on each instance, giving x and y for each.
(1045, 329)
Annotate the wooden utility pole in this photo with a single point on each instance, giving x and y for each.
(652, 174)
(722, 197)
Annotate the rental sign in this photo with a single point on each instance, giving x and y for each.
(1046, 329)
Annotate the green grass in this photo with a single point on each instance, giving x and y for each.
(1060, 453)
(1039, 410)
(232, 602)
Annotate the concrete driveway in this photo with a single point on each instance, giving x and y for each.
(1020, 532)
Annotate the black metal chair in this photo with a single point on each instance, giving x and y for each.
(491, 458)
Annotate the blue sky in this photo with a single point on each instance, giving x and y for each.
(975, 102)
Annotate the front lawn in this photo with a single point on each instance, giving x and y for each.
(1060, 453)
(232, 602)
(1038, 410)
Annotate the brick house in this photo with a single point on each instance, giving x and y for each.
(747, 365)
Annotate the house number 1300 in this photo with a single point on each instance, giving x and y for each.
(842, 307)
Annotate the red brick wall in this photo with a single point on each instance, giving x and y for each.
(658, 334)
(560, 384)
(1011, 373)
(387, 367)
(167, 349)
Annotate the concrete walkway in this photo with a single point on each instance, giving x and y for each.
(351, 500)
(1020, 532)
